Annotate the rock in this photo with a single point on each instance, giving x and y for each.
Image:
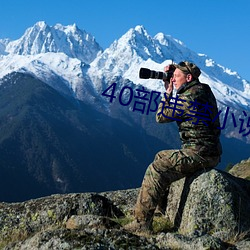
(243, 245)
(241, 169)
(20, 220)
(90, 221)
(85, 239)
(212, 202)
(209, 210)
(178, 241)
(124, 199)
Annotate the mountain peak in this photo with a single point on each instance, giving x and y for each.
(133, 47)
(42, 38)
(140, 29)
(69, 28)
(138, 42)
(41, 24)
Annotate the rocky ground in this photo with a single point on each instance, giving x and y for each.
(208, 211)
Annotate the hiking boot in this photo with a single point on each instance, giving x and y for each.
(140, 227)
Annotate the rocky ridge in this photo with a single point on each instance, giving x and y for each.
(207, 211)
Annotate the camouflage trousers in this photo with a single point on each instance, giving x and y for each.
(167, 167)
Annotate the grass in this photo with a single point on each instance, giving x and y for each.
(160, 223)
(123, 220)
(15, 236)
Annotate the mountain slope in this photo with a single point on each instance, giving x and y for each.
(52, 144)
(65, 74)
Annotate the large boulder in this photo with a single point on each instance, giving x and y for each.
(210, 202)
(19, 221)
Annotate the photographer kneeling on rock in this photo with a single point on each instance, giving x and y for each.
(194, 108)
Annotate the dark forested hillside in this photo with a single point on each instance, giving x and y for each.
(52, 144)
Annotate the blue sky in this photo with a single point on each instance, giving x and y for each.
(218, 28)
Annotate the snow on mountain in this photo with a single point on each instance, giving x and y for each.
(57, 55)
(3, 43)
(137, 49)
(125, 55)
(63, 73)
(72, 56)
(42, 38)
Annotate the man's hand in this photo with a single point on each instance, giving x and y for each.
(168, 85)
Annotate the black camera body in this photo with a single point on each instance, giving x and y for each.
(145, 73)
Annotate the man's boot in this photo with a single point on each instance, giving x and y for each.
(137, 226)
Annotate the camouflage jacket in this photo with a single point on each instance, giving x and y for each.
(195, 110)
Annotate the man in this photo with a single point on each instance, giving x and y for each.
(194, 109)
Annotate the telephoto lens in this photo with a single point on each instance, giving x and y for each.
(145, 73)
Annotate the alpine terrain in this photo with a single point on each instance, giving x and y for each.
(73, 117)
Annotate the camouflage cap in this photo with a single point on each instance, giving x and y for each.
(189, 68)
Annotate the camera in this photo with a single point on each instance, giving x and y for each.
(145, 73)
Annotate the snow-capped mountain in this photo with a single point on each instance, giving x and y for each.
(41, 38)
(57, 55)
(64, 73)
(137, 49)
(71, 61)
(74, 56)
